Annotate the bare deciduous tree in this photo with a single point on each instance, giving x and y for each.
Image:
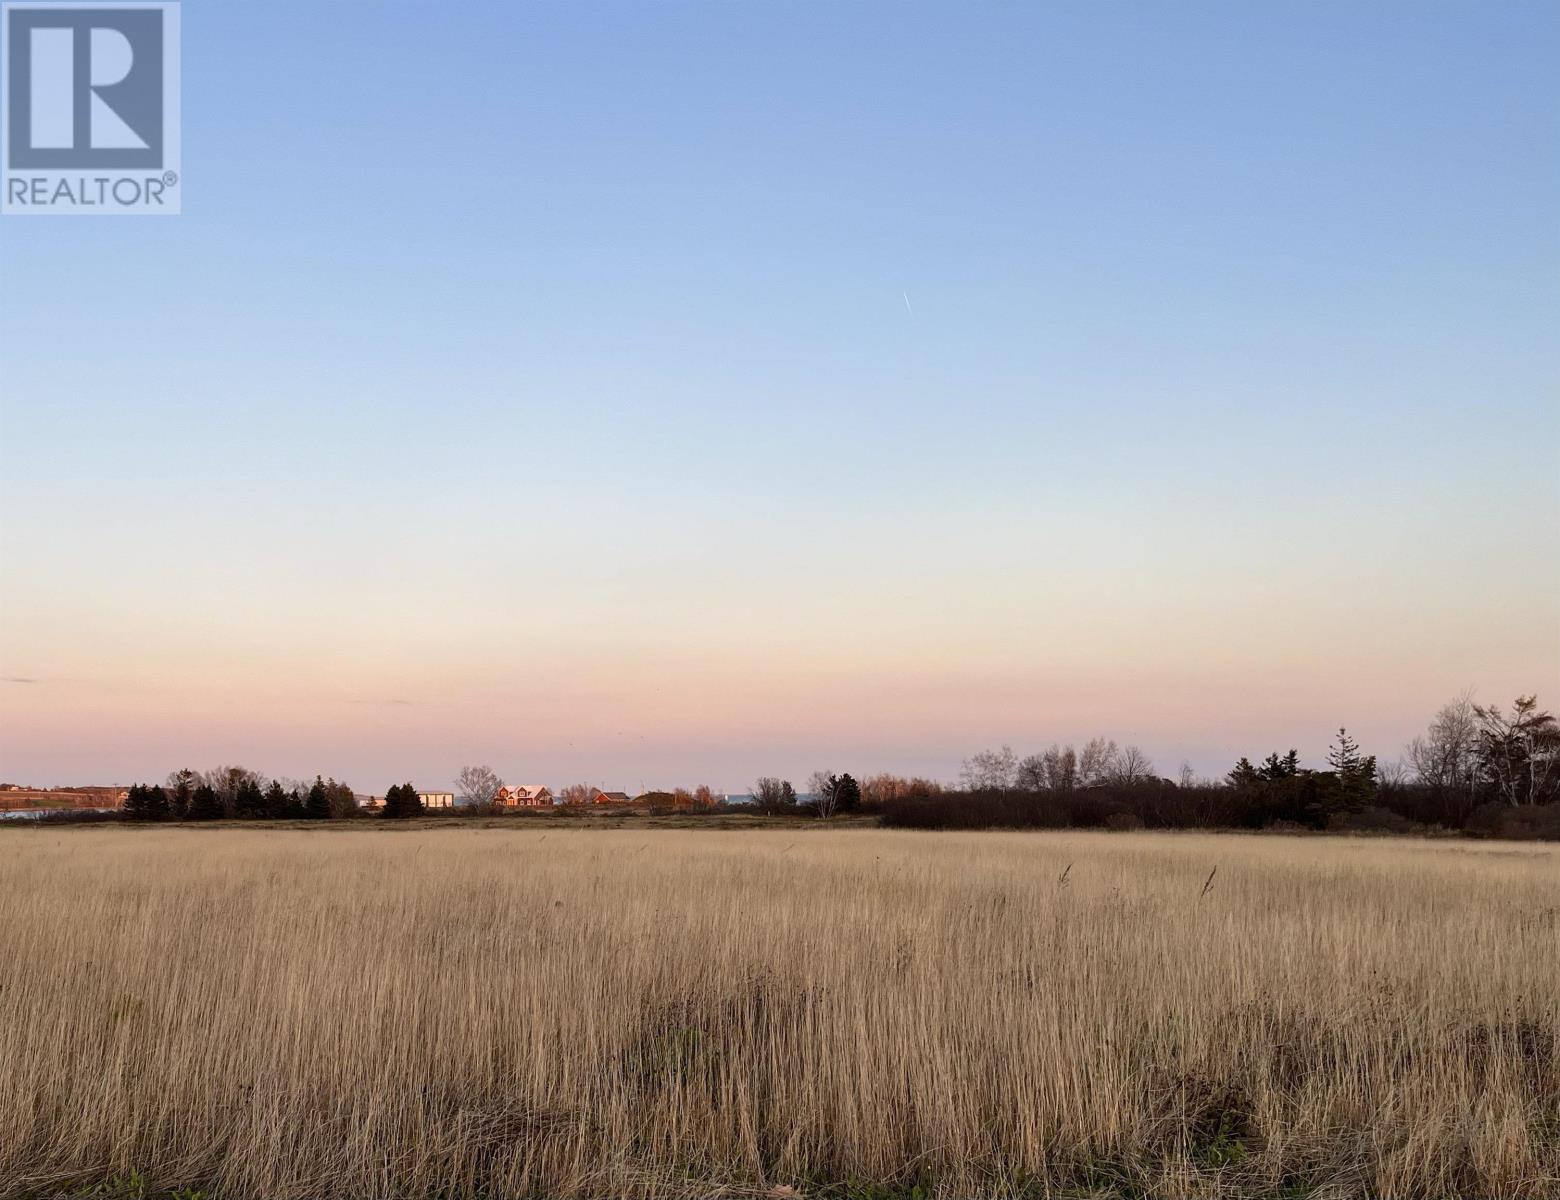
(479, 786)
(1097, 762)
(226, 782)
(1061, 768)
(1446, 757)
(1131, 766)
(824, 794)
(1030, 776)
(990, 771)
(576, 793)
(1393, 775)
(771, 795)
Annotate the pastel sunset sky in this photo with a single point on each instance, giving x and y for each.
(655, 394)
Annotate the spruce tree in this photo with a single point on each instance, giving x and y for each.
(249, 800)
(1244, 775)
(204, 805)
(180, 802)
(1355, 773)
(146, 803)
(275, 806)
(1344, 757)
(402, 801)
(317, 807)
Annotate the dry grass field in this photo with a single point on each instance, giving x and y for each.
(465, 1012)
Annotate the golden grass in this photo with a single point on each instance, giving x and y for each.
(473, 1012)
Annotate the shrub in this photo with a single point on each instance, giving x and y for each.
(1374, 819)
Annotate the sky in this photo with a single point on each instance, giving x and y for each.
(652, 394)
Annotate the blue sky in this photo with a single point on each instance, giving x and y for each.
(922, 376)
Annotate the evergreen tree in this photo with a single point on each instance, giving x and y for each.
(146, 802)
(249, 800)
(204, 805)
(1275, 768)
(1279, 790)
(341, 798)
(156, 803)
(402, 801)
(1354, 773)
(847, 794)
(135, 804)
(275, 806)
(317, 807)
(182, 784)
(1344, 757)
(1518, 756)
(1244, 775)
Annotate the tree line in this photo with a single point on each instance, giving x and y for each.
(1478, 769)
(479, 788)
(237, 793)
(830, 795)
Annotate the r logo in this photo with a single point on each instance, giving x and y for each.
(84, 88)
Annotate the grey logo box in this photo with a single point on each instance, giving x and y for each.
(90, 108)
(96, 77)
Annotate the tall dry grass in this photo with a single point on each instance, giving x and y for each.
(485, 1013)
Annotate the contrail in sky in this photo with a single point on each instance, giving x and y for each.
(908, 309)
